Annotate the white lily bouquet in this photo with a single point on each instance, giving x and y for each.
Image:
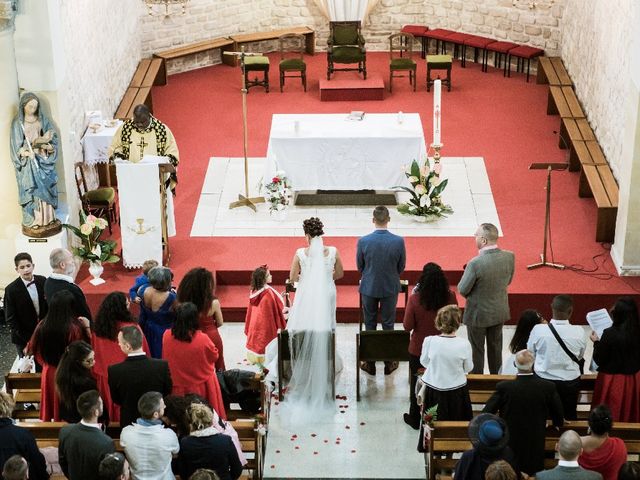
(426, 190)
(277, 193)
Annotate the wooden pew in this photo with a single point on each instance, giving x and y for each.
(150, 72)
(573, 130)
(597, 181)
(222, 43)
(25, 388)
(448, 438)
(240, 40)
(551, 70)
(564, 102)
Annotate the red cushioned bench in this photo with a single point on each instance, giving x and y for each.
(499, 49)
(477, 43)
(419, 32)
(522, 53)
(439, 35)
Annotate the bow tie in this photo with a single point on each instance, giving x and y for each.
(32, 282)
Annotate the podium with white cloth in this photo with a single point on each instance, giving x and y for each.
(147, 217)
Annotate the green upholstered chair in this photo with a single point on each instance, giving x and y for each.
(439, 62)
(257, 63)
(292, 47)
(401, 58)
(100, 202)
(346, 46)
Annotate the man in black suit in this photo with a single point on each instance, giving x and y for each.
(525, 404)
(24, 302)
(62, 278)
(137, 375)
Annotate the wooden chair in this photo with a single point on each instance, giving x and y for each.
(100, 202)
(400, 57)
(285, 355)
(292, 47)
(439, 62)
(346, 46)
(381, 345)
(258, 63)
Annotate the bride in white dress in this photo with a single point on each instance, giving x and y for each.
(312, 320)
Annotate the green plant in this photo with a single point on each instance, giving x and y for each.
(277, 193)
(93, 249)
(426, 188)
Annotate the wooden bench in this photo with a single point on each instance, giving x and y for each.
(551, 70)
(598, 181)
(222, 43)
(47, 433)
(448, 438)
(574, 130)
(239, 40)
(564, 102)
(150, 72)
(25, 388)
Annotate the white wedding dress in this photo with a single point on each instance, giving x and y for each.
(312, 321)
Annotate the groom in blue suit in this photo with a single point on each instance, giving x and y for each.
(381, 259)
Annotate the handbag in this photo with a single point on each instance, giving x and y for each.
(26, 364)
(575, 359)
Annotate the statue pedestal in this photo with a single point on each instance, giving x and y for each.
(40, 248)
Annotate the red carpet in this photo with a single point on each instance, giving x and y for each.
(501, 119)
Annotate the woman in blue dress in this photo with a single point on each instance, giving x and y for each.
(157, 309)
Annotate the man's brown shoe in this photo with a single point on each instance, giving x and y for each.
(368, 367)
(390, 367)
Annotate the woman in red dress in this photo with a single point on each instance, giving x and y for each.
(50, 339)
(264, 315)
(430, 294)
(617, 355)
(192, 356)
(112, 316)
(197, 287)
(600, 452)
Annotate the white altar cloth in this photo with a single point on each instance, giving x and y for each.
(330, 152)
(96, 144)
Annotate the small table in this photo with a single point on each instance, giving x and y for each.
(95, 145)
(330, 152)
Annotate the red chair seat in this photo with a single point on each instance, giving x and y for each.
(501, 47)
(476, 41)
(524, 51)
(458, 38)
(415, 30)
(439, 33)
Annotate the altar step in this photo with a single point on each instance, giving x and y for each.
(351, 89)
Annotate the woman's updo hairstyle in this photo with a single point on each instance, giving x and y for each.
(313, 227)
(600, 420)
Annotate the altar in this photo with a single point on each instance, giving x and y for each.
(333, 152)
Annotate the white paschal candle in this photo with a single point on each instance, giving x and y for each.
(437, 112)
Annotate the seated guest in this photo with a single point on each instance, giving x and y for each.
(51, 337)
(490, 439)
(113, 314)
(204, 447)
(617, 355)
(63, 273)
(241, 387)
(74, 377)
(192, 356)
(447, 360)
(141, 280)
(114, 466)
(600, 452)
(569, 447)
(528, 319)
(198, 287)
(157, 309)
(16, 440)
(16, 468)
(552, 361)
(629, 471)
(137, 375)
(539, 399)
(264, 316)
(500, 470)
(148, 445)
(431, 293)
(204, 474)
(82, 445)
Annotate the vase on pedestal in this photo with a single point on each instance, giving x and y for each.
(96, 269)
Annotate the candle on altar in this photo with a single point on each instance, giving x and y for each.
(437, 112)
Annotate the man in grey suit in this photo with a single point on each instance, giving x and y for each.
(569, 448)
(381, 259)
(484, 285)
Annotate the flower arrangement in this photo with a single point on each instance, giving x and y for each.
(429, 416)
(92, 248)
(278, 192)
(426, 188)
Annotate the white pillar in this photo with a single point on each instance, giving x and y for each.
(10, 213)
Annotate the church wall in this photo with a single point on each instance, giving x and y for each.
(596, 54)
(214, 18)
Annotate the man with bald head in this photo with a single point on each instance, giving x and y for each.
(525, 404)
(63, 274)
(569, 448)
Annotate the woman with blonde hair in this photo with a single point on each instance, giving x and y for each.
(206, 447)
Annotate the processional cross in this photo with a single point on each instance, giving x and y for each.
(142, 145)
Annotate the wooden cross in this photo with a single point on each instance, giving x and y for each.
(142, 145)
